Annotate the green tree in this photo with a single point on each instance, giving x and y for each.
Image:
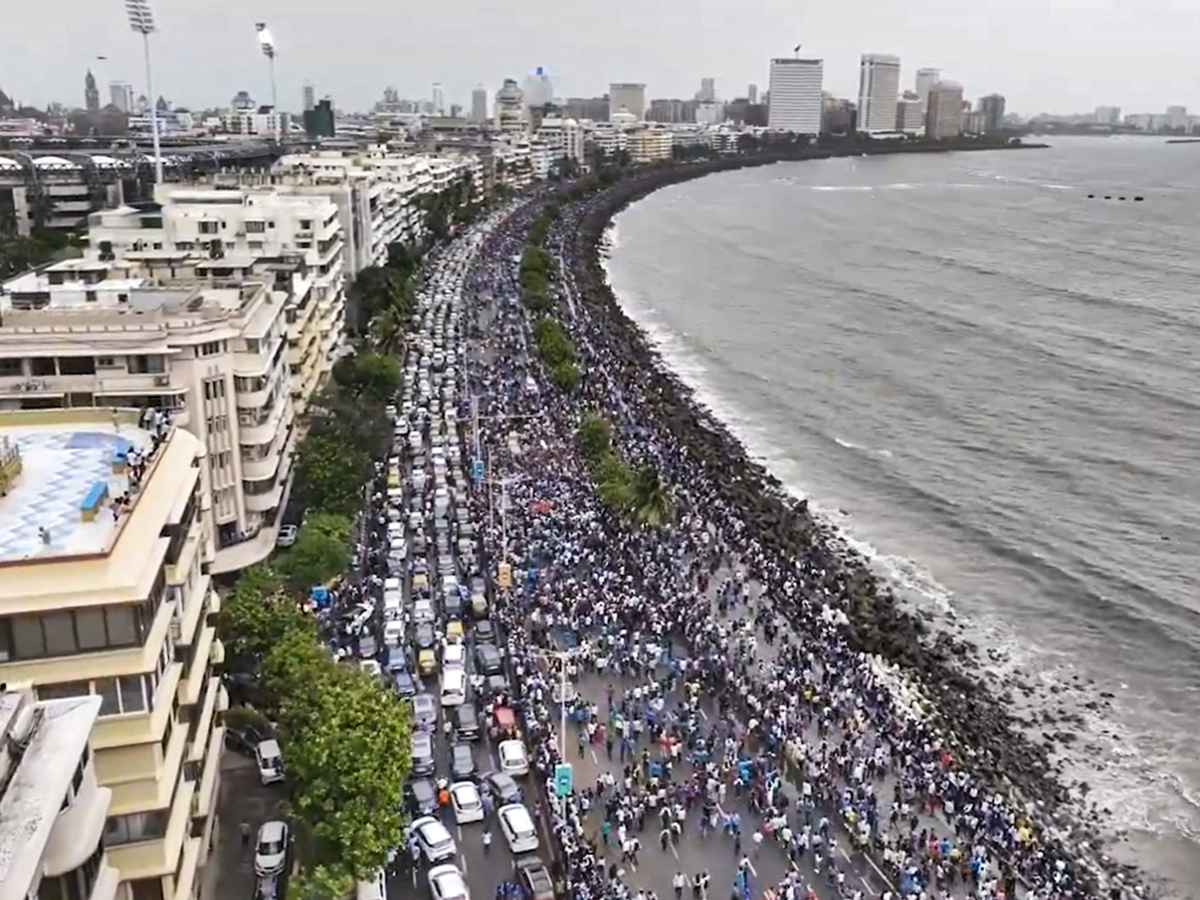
(649, 498)
(368, 375)
(320, 552)
(330, 472)
(256, 616)
(565, 376)
(595, 436)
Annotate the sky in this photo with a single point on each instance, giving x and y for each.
(1044, 55)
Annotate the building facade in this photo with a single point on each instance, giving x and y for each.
(109, 599)
(479, 113)
(926, 79)
(648, 144)
(510, 107)
(910, 113)
(796, 95)
(629, 97)
(992, 109)
(878, 88)
(944, 110)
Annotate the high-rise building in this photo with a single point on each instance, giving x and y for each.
(992, 109)
(944, 110)
(121, 96)
(320, 121)
(708, 90)
(108, 602)
(878, 88)
(510, 107)
(1177, 117)
(479, 111)
(926, 78)
(1108, 115)
(752, 94)
(91, 94)
(594, 108)
(538, 89)
(438, 98)
(308, 97)
(910, 113)
(796, 95)
(627, 97)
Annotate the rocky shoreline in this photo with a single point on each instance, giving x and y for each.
(973, 716)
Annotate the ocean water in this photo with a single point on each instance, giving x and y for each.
(991, 383)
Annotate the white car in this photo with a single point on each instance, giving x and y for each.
(286, 536)
(270, 850)
(447, 883)
(468, 805)
(519, 830)
(433, 839)
(514, 760)
(269, 758)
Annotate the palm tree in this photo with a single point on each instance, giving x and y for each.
(390, 329)
(650, 498)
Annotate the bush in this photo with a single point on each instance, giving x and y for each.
(565, 376)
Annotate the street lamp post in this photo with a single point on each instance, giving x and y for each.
(141, 20)
(268, 49)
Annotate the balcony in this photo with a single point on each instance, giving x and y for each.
(150, 859)
(112, 732)
(205, 799)
(147, 793)
(115, 384)
(245, 553)
(264, 430)
(268, 500)
(193, 679)
(107, 880)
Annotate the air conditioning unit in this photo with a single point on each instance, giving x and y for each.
(162, 380)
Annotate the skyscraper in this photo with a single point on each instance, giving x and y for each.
(538, 89)
(878, 88)
(629, 97)
(708, 90)
(91, 94)
(752, 93)
(438, 98)
(510, 107)
(944, 110)
(309, 97)
(926, 78)
(120, 95)
(992, 107)
(796, 95)
(479, 104)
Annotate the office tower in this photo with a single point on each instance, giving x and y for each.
(910, 113)
(629, 97)
(878, 87)
(121, 96)
(992, 108)
(91, 95)
(479, 104)
(309, 98)
(538, 89)
(708, 90)
(926, 78)
(944, 110)
(795, 95)
(438, 98)
(510, 107)
(752, 93)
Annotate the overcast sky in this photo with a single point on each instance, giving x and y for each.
(1043, 55)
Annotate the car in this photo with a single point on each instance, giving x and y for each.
(466, 722)
(447, 883)
(462, 761)
(397, 660)
(422, 611)
(484, 632)
(269, 758)
(487, 659)
(535, 877)
(271, 847)
(433, 839)
(424, 710)
(404, 684)
(516, 824)
(244, 739)
(468, 805)
(423, 762)
(422, 797)
(503, 788)
(287, 535)
(513, 758)
(269, 887)
(423, 636)
(495, 685)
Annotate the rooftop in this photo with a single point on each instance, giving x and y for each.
(58, 482)
(57, 733)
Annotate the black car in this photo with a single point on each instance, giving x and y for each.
(503, 788)
(484, 631)
(422, 797)
(244, 739)
(466, 722)
(397, 659)
(462, 762)
(535, 877)
(487, 660)
(494, 685)
(404, 684)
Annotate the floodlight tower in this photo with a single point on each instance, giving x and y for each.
(268, 49)
(141, 20)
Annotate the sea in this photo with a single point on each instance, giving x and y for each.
(984, 368)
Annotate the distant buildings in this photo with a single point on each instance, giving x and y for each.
(538, 89)
(479, 106)
(672, 111)
(910, 113)
(308, 97)
(752, 94)
(438, 97)
(991, 108)
(649, 144)
(242, 101)
(595, 108)
(878, 87)
(926, 79)
(796, 95)
(91, 94)
(1108, 115)
(837, 115)
(708, 90)
(510, 107)
(121, 96)
(319, 121)
(629, 97)
(944, 110)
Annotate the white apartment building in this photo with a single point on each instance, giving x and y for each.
(105, 547)
(52, 807)
(606, 137)
(258, 124)
(564, 136)
(878, 88)
(649, 144)
(795, 92)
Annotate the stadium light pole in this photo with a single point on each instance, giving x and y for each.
(141, 20)
(268, 49)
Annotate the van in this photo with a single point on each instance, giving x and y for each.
(375, 888)
(454, 687)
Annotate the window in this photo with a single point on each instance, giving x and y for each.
(211, 348)
(146, 889)
(131, 689)
(69, 632)
(146, 826)
(208, 228)
(91, 629)
(9, 367)
(64, 690)
(255, 227)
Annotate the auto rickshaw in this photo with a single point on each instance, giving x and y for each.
(427, 661)
(479, 605)
(420, 583)
(454, 631)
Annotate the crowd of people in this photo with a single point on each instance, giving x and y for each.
(800, 712)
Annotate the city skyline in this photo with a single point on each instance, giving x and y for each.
(311, 43)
